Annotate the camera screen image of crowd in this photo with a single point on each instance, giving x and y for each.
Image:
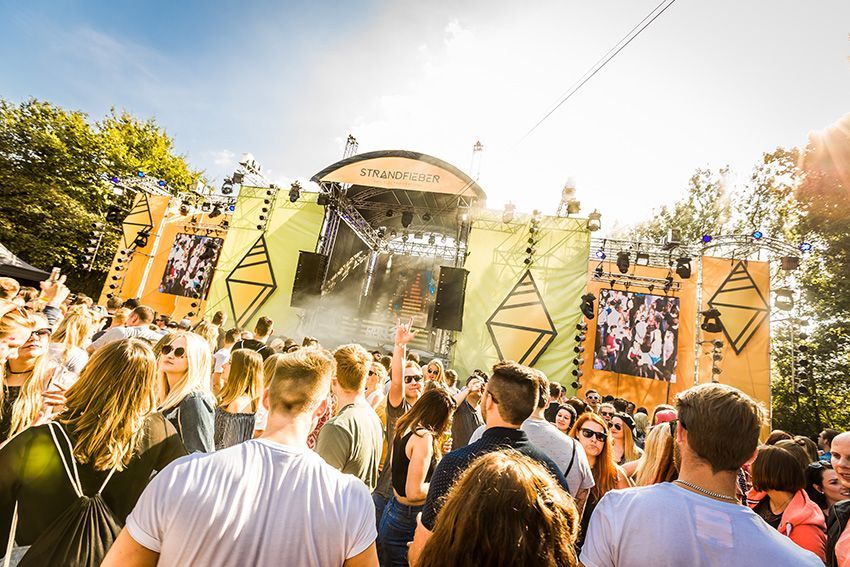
(190, 265)
(637, 334)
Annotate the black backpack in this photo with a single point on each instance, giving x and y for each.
(82, 534)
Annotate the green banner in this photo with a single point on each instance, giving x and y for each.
(519, 311)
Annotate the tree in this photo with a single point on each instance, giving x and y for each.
(53, 169)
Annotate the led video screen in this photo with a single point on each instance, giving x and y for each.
(190, 265)
(637, 334)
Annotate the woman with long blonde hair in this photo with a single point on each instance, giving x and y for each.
(504, 509)
(185, 364)
(108, 434)
(239, 398)
(209, 333)
(27, 377)
(68, 342)
(657, 464)
(623, 437)
(593, 434)
(435, 372)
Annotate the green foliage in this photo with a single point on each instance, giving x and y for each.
(52, 165)
(791, 196)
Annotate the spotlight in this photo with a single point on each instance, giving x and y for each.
(581, 327)
(600, 254)
(706, 238)
(205, 207)
(508, 215)
(426, 217)
(527, 261)
(529, 250)
(599, 271)
(642, 259)
(623, 261)
(432, 239)
(576, 385)
(184, 208)
(683, 268)
(294, 192)
(161, 183)
(805, 247)
(757, 235)
(587, 305)
(389, 212)
(784, 299)
(573, 207)
(215, 212)
(114, 179)
(113, 214)
(142, 238)
(406, 218)
(227, 187)
(577, 373)
(802, 389)
(140, 173)
(711, 321)
(790, 263)
(594, 221)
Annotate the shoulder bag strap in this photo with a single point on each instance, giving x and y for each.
(7, 559)
(75, 482)
(572, 459)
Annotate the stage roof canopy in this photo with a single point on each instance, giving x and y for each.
(385, 184)
(13, 267)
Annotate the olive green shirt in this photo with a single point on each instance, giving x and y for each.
(351, 442)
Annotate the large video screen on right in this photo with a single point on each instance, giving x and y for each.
(637, 334)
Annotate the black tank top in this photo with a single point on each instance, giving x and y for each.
(401, 464)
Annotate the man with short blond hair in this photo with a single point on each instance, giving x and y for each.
(698, 518)
(837, 533)
(268, 501)
(351, 441)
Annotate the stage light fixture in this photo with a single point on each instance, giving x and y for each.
(294, 192)
(578, 349)
(784, 299)
(140, 173)
(114, 179)
(184, 208)
(600, 254)
(805, 247)
(323, 200)
(529, 250)
(161, 183)
(803, 390)
(581, 327)
(576, 385)
(227, 186)
(262, 217)
(587, 305)
(594, 221)
(706, 238)
(790, 263)
(573, 207)
(113, 214)
(259, 227)
(527, 261)
(623, 261)
(577, 373)
(406, 218)
(599, 271)
(674, 239)
(432, 240)
(642, 259)
(389, 213)
(141, 239)
(382, 231)
(683, 268)
(757, 235)
(110, 295)
(426, 217)
(206, 207)
(711, 321)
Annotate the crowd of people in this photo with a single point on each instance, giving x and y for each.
(128, 439)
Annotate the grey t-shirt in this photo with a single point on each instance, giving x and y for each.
(561, 448)
(385, 479)
(350, 442)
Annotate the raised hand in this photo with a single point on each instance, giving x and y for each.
(404, 333)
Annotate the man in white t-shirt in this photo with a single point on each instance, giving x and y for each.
(269, 501)
(222, 355)
(137, 326)
(697, 519)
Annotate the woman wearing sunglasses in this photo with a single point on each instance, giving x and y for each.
(434, 372)
(375, 385)
(623, 435)
(187, 400)
(592, 432)
(33, 387)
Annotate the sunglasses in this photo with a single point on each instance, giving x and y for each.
(606, 414)
(409, 379)
(617, 426)
(179, 352)
(594, 398)
(372, 373)
(40, 334)
(588, 433)
(433, 371)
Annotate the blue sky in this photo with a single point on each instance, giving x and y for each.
(708, 84)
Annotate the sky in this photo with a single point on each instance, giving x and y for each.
(708, 84)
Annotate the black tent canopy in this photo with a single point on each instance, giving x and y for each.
(13, 267)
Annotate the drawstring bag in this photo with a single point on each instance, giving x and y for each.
(82, 534)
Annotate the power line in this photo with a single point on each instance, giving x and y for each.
(596, 67)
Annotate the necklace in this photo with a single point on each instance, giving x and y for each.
(708, 492)
(9, 370)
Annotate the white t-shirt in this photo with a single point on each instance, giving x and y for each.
(256, 503)
(560, 448)
(220, 358)
(665, 525)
